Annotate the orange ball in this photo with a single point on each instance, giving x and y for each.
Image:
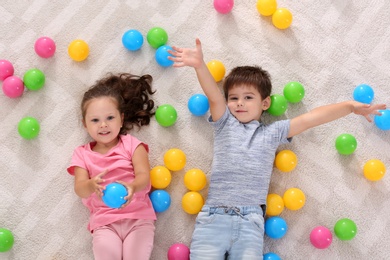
(195, 179)
(275, 205)
(282, 18)
(266, 7)
(374, 170)
(78, 50)
(217, 69)
(160, 177)
(192, 202)
(175, 159)
(294, 199)
(286, 161)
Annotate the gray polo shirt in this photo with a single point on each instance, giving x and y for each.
(243, 160)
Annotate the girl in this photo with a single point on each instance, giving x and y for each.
(110, 108)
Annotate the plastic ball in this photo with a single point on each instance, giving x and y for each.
(286, 160)
(282, 18)
(271, 256)
(114, 195)
(195, 179)
(175, 159)
(34, 79)
(383, 121)
(363, 93)
(217, 69)
(275, 227)
(28, 128)
(166, 115)
(162, 55)
(160, 177)
(178, 251)
(321, 237)
(6, 240)
(278, 105)
(266, 7)
(198, 104)
(192, 202)
(294, 92)
(223, 6)
(161, 200)
(45, 47)
(78, 50)
(346, 144)
(374, 170)
(345, 229)
(294, 199)
(13, 87)
(132, 40)
(157, 37)
(6, 69)
(275, 205)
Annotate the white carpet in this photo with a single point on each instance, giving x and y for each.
(331, 47)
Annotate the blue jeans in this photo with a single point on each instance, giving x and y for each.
(228, 232)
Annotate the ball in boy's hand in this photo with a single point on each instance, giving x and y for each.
(383, 121)
(278, 105)
(161, 200)
(162, 55)
(114, 194)
(178, 251)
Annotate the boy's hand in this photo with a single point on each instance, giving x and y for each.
(186, 56)
(366, 110)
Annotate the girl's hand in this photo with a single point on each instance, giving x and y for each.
(130, 193)
(186, 56)
(366, 110)
(95, 183)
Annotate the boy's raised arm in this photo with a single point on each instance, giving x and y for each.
(194, 58)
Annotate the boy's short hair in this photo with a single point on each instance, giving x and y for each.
(249, 75)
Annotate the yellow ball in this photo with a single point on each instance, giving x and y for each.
(275, 205)
(294, 199)
(160, 177)
(282, 18)
(217, 69)
(286, 160)
(266, 7)
(192, 202)
(374, 170)
(78, 50)
(175, 159)
(195, 179)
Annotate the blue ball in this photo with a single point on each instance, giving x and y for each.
(363, 93)
(275, 227)
(113, 195)
(271, 256)
(132, 40)
(161, 200)
(383, 121)
(198, 104)
(162, 56)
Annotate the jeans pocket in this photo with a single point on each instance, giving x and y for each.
(257, 221)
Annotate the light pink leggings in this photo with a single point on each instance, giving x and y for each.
(125, 239)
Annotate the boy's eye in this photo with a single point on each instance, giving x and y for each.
(233, 98)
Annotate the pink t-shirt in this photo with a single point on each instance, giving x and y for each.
(118, 161)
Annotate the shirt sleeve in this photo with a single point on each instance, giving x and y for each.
(77, 160)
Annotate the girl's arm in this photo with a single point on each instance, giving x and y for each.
(328, 113)
(194, 58)
(141, 166)
(84, 186)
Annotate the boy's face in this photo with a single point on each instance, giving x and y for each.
(246, 104)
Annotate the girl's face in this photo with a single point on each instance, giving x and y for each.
(245, 103)
(103, 121)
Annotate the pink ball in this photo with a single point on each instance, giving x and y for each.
(45, 47)
(321, 237)
(13, 87)
(6, 69)
(223, 6)
(178, 251)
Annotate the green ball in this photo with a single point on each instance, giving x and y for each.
(34, 79)
(345, 229)
(6, 240)
(166, 115)
(157, 37)
(278, 105)
(28, 128)
(346, 144)
(294, 92)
